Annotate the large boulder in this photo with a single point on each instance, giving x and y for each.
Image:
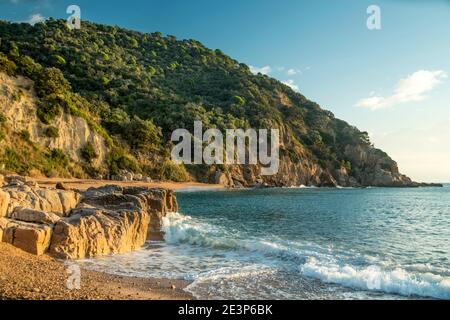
(30, 237)
(104, 232)
(156, 202)
(59, 202)
(35, 216)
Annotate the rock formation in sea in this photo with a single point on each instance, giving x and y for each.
(70, 224)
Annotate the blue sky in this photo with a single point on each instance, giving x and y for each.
(392, 82)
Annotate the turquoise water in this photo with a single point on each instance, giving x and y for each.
(303, 243)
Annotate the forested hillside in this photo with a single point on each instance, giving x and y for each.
(134, 89)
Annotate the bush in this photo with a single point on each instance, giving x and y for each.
(2, 118)
(58, 60)
(48, 110)
(142, 134)
(88, 152)
(25, 135)
(118, 160)
(7, 66)
(173, 172)
(52, 132)
(51, 81)
(59, 157)
(14, 162)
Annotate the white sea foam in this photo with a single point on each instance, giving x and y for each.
(317, 262)
(396, 281)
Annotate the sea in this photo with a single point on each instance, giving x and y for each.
(301, 243)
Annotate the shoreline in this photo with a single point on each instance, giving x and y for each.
(84, 184)
(21, 277)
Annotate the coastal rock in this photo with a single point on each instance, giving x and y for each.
(59, 202)
(4, 203)
(222, 178)
(375, 168)
(61, 186)
(67, 225)
(104, 232)
(34, 216)
(111, 219)
(30, 237)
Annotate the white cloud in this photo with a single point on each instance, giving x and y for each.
(35, 18)
(264, 70)
(410, 89)
(291, 83)
(293, 72)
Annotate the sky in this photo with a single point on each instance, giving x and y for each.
(392, 82)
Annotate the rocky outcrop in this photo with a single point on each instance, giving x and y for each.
(101, 232)
(34, 216)
(369, 167)
(69, 225)
(20, 115)
(30, 237)
(59, 202)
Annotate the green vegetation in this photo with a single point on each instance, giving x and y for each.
(136, 88)
(88, 152)
(52, 132)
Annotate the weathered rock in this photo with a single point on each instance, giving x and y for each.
(34, 216)
(61, 186)
(15, 180)
(30, 237)
(107, 220)
(33, 184)
(3, 225)
(59, 202)
(222, 178)
(104, 232)
(69, 200)
(4, 203)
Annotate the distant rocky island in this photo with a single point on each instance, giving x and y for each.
(101, 102)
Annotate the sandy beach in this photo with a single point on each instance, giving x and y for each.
(25, 276)
(84, 184)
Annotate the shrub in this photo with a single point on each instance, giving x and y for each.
(58, 60)
(51, 81)
(173, 172)
(59, 157)
(142, 134)
(52, 132)
(88, 152)
(118, 160)
(2, 118)
(48, 110)
(7, 66)
(25, 135)
(14, 162)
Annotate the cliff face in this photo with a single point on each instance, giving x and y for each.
(18, 105)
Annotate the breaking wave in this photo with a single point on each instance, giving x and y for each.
(309, 260)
